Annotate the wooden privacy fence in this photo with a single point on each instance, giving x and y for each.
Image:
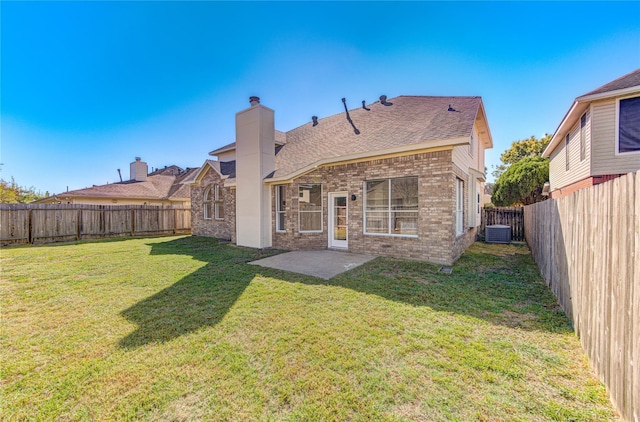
(508, 216)
(20, 223)
(587, 246)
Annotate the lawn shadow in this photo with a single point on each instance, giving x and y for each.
(498, 284)
(200, 299)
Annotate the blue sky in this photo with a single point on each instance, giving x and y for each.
(88, 86)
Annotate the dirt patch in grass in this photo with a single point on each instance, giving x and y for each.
(516, 319)
(189, 408)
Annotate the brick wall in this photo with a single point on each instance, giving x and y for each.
(222, 229)
(436, 241)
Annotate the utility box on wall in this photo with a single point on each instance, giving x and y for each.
(498, 233)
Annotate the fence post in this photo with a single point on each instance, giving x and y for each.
(133, 221)
(29, 226)
(78, 224)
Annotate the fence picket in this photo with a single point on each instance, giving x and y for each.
(508, 216)
(36, 223)
(587, 246)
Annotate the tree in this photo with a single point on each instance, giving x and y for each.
(522, 182)
(532, 147)
(12, 193)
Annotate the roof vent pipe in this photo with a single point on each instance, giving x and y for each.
(254, 101)
(355, 129)
(315, 120)
(364, 106)
(383, 101)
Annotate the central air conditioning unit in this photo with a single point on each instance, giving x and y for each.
(498, 234)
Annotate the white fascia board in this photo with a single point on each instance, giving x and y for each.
(576, 110)
(481, 109)
(580, 104)
(215, 152)
(372, 155)
(609, 94)
(200, 174)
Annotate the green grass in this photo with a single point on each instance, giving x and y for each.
(182, 328)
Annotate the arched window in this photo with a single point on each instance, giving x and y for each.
(218, 204)
(206, 200)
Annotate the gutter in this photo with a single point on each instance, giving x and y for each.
(365, 156)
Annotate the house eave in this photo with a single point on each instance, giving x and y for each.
(578, 107)
(430, 146)
(487, 139)
(576, 110)
(201, 173)
(609, 94)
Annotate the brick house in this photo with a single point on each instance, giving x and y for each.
(598, 139)
(402, 177)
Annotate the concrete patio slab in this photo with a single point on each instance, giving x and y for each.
(323, 264)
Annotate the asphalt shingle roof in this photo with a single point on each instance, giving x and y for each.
(410, 120)
(627, 81)
(160, 184)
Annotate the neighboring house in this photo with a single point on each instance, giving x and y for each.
(401, 177)
(160, 187)
(598, 139)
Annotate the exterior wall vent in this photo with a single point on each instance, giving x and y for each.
(498, 233)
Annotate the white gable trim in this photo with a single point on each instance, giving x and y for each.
(203, 171)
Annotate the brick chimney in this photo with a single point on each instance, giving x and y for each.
(138, 170)
(255, 159)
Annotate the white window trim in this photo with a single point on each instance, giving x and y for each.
(207, 194)
(364, 210)
(617, 130)
(278, 211)
(217, 203)
(321, 209)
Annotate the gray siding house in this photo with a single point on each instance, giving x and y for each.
(598, 139)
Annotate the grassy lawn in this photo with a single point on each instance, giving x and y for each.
(181, 328)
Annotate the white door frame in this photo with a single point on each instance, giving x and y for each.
(336, 243)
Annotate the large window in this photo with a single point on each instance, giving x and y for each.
(280, 207)
(218, 205)
(629, 125)
(207, 203)
(310, 207)
(391, 207)
(459, 207)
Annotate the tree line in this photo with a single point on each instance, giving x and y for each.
(12, 193)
